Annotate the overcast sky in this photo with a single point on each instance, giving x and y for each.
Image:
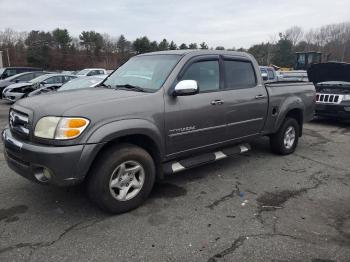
(230, 23)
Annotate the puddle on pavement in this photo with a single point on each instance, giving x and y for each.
(277, 199)
(10, 213)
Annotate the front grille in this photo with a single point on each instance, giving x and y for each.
(19, 123)
(328, 98)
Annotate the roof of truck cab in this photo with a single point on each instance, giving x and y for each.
(198, 52)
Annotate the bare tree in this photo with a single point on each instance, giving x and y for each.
(294, 34)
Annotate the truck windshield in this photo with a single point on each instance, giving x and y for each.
(148, 72)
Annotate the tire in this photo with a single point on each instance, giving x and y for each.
(107, 178)
(277, 141)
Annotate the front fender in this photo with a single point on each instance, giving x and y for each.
(120, 128)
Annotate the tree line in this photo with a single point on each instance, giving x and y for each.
(59, 50)
(333, 41)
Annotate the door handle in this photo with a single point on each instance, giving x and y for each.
(259, 97)
(217, 102)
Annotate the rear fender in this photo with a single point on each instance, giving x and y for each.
(288, 105)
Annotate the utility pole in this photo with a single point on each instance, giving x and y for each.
(1, 64)
(8, 57)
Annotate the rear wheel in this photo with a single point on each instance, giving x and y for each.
(121, 178)
(286, 139)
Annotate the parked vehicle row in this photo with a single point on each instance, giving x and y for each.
(20, 78)
(159, 113)
(48, 82)
(33, 83)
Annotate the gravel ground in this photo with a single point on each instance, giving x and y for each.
(253, 207)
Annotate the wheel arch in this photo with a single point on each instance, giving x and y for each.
(293, 107)
(141, 133)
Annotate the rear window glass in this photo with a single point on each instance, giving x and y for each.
(239, 74)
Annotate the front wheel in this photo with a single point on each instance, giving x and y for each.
(121, 178)
(286, 139)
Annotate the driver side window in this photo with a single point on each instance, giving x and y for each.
(53, 80)
(206, 73)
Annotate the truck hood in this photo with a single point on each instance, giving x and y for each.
(57, 103)
(326, 72)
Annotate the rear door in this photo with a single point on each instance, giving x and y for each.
(196, 121)
(246, 101)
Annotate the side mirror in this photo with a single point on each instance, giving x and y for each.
(264, 76)
(186, 88)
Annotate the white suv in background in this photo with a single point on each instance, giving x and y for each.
(92, 72)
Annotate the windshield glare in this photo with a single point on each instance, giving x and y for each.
(148, 72)
(80, 83)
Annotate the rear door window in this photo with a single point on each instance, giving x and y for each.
(239, 74)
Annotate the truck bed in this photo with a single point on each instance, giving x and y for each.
(280, 96)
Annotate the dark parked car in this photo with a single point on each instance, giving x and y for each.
(332, 82)
(159, 113)
(19, 78)
(48, 82)
(11, 71)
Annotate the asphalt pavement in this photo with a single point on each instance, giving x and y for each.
(253, 207)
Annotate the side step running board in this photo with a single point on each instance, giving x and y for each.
(177, 166)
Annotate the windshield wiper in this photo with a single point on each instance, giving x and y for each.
(131, 87)
(104, 85)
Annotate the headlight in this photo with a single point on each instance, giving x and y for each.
(61, 128)
(346, 97)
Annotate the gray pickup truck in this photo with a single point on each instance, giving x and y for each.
(157, 114)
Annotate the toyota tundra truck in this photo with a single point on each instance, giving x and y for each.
(159, 113)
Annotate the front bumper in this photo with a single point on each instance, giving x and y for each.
(66, 165)
(333, 110)
(11, 96)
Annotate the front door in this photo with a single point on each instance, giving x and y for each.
(195, 121)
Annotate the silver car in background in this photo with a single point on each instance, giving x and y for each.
(293, 76)
(51, 82)
(91, 72)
